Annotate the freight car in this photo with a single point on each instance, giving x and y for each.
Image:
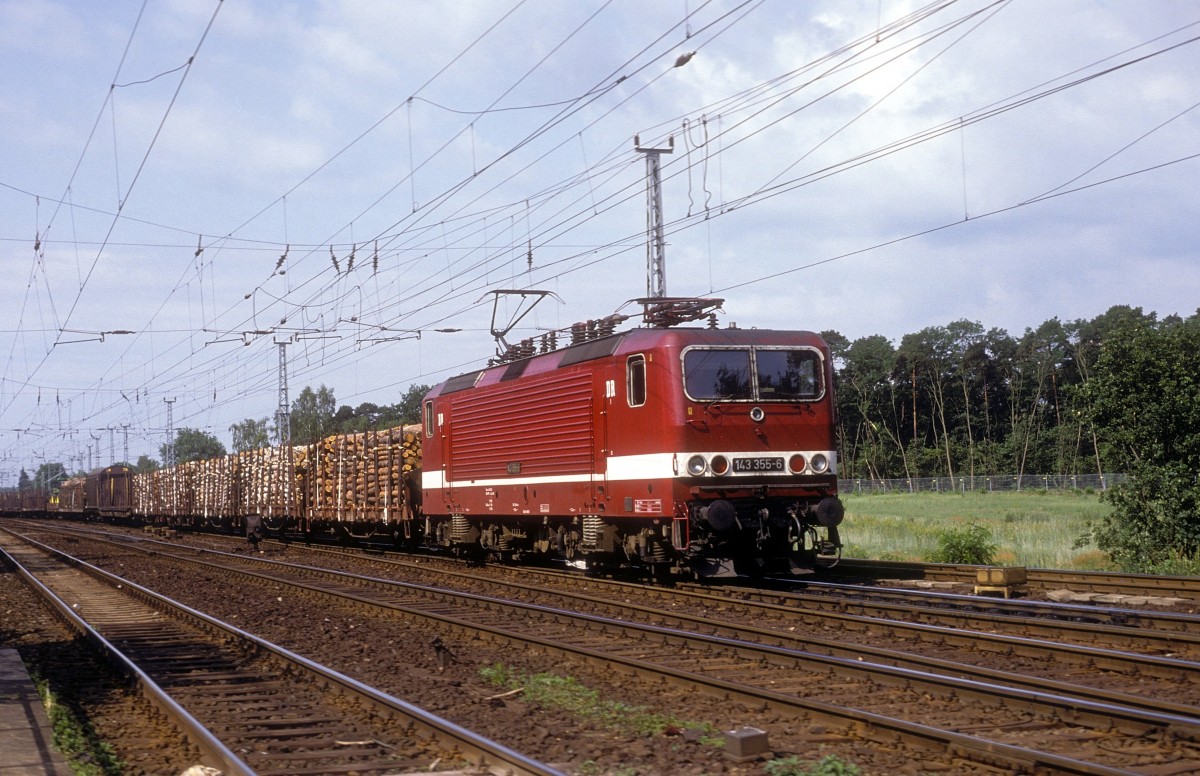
(102, 493)
(346, 484)
(712, 449)
(108, 492)
(10, 501)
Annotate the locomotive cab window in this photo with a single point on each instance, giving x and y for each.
(709, 375)
(791, 375)
(428, 418)
(635, 380)
(753, 374)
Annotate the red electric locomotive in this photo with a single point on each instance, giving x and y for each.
(700, 448)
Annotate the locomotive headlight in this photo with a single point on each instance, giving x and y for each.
(796, 463)
(819, 463)
(696, 465)
(720, 464)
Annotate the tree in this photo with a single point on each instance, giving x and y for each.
(365, 416)
(250, 434)
(932, 357)
(23, 481)
(408, 409)
(1087, 338)
(985, 368)
(838, 345)
(194, 445)
(145, 464)
(1144, 399)
(49, 475)
(866, 406)
(312, 415)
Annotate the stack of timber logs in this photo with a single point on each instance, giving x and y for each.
(361, 477)
(207, 487)
(264, 481)
(70, 495)
(342, 478)
(161, 493)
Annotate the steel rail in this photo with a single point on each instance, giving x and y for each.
(1069, 613)
(1167, 668)
(1161, 631)
(1165, 621)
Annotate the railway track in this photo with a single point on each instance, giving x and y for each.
(1155, 651)
(985, 721)
(1140, 630)
(1136, 664)
(1042, 580)
(249, 706)
(945, 617)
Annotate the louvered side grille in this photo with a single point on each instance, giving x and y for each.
(544, 428)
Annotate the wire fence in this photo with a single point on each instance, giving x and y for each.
(999, 482)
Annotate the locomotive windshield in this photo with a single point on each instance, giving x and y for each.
(752, 374)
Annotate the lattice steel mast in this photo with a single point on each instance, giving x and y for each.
(656, 259)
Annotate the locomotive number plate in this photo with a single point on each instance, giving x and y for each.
(743, 465)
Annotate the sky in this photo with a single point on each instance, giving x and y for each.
(189, 188)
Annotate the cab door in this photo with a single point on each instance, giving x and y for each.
(436, 449)
(609, 413)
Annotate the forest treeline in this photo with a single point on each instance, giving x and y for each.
(960, 400)
(1117, 393)
(315, 414)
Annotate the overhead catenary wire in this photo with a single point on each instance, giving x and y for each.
(316, 302)
(99, 252)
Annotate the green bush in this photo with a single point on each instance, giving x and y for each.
(1175, 565)
(972, 543)
(1153, 521)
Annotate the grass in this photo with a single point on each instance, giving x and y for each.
(1032, 528)
(568, 694)
(86, 753)
(830, 765)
